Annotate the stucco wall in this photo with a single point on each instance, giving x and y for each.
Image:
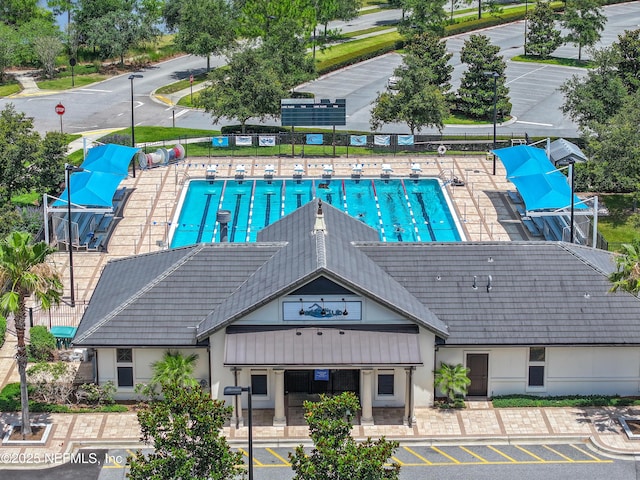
(568, 370)
(142, 370)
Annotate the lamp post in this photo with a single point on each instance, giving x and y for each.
(495, 76)
(68, 170)
(526, 15)
(133, 133)
(237, 391)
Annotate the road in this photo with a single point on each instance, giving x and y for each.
(533, 87)
(418, 462)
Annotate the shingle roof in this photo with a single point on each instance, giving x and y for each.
(541, 293)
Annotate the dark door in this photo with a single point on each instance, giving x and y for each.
(478, 364)
(297, 381)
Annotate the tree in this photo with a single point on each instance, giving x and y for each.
(452, 380)
(328, 10)
(336, 454)
(585, 22)
(28, 32)
(627, 274)
(287, 54)
(8, 46)
(543, 38)
(185, 431)
(206, 27)
(427, 50)
(249, 87)
(616, 144)
(18, 12)
(475, 94)
(260, 18)
(423, 16)
(599, 95)
(20, 147)
(48, 48)
(174, 369)
(628, 49)
(47, 171)
(25, 271)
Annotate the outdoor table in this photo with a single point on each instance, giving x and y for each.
(63, 335)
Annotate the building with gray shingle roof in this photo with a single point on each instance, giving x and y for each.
(318, 304)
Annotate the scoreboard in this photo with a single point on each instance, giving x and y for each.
(306, 112)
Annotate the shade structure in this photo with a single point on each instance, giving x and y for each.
(91, 189)
(109, 158)
(541, 185)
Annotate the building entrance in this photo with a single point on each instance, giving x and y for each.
(322, 381)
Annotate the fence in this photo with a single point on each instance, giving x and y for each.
(62, 315)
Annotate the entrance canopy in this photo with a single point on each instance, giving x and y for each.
(321, 347)
(541, 185)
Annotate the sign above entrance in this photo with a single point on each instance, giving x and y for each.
(321, 375)
(321, 310)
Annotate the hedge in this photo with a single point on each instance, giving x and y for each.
(3, 330)
(42, 344)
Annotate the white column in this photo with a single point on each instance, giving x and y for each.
(409, 418)
(279, 418)
(365, 398)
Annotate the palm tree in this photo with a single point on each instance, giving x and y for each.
(627, 275)
(452, 380)
(24, 271)
(174, 369)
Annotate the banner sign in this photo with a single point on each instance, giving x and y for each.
(314, 139)
(243, 141)
(267, 141)
(405, 139)
(220, 141)
(328, 310)
(358, 140)
(384, 140)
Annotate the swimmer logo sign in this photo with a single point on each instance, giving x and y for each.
(327, 310)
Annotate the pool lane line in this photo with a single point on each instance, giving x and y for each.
(375, 198)
(344, 197)
(413, 218)
(282, 199)
(215, 228)
(203, 220)
(250, 219)
(426, 215)
(236, 213)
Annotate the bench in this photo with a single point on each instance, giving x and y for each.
(515, 197)
(533, 229)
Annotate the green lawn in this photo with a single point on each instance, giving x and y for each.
(9, 89)
(564, 62)
(618, 227)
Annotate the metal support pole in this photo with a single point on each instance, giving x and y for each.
(495, 118)
(133, 129)
(571, 229)
(67, 169)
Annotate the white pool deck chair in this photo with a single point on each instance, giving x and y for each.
(240, 171)
(327, 170)
(298, 170)
(212, 171)
(356, 170)
(416, 170)
(386, 170)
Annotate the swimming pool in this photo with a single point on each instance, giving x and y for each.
(401, 210)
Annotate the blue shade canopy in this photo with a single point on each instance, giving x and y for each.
(109, 158)
(540, 184)
(91, 189)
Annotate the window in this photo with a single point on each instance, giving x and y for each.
(385, 383)
(258, 383)
(124, 363)
(537, 356)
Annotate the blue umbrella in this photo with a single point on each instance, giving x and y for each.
(109, 158)
(545, 191)
(91, 189)
(524, 160)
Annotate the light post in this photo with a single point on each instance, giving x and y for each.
(133, 133)
(237, 391)
(526, 14)
(68, 170)
(495, 76)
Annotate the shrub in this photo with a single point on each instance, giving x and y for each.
(3, 330)
(42, 344)
(10, 398)
(515, 401)
(96, 394)
(53, 382)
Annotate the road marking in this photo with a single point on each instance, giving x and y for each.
(473, 454)
(418, 455)
(500, 453)
(436, 449)
(181, 112)
(255, 460)
(278, 456)
(529, 453)
(587, 454)
(559, 454)
(397, 461)
(94, 90)
(535, 123)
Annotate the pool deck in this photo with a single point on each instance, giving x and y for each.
(482, 204)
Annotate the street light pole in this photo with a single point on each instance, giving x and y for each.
(237, 391)
(133, 133)
(68, 170)
(495, 76)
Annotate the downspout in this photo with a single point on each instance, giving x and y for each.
(209, 369)
(95, 367)
(410, 419)
(236, 397)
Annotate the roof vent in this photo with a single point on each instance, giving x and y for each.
(490, 259)
(475, 284)
(489, 287)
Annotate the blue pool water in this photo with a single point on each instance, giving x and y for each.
(401, 210)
